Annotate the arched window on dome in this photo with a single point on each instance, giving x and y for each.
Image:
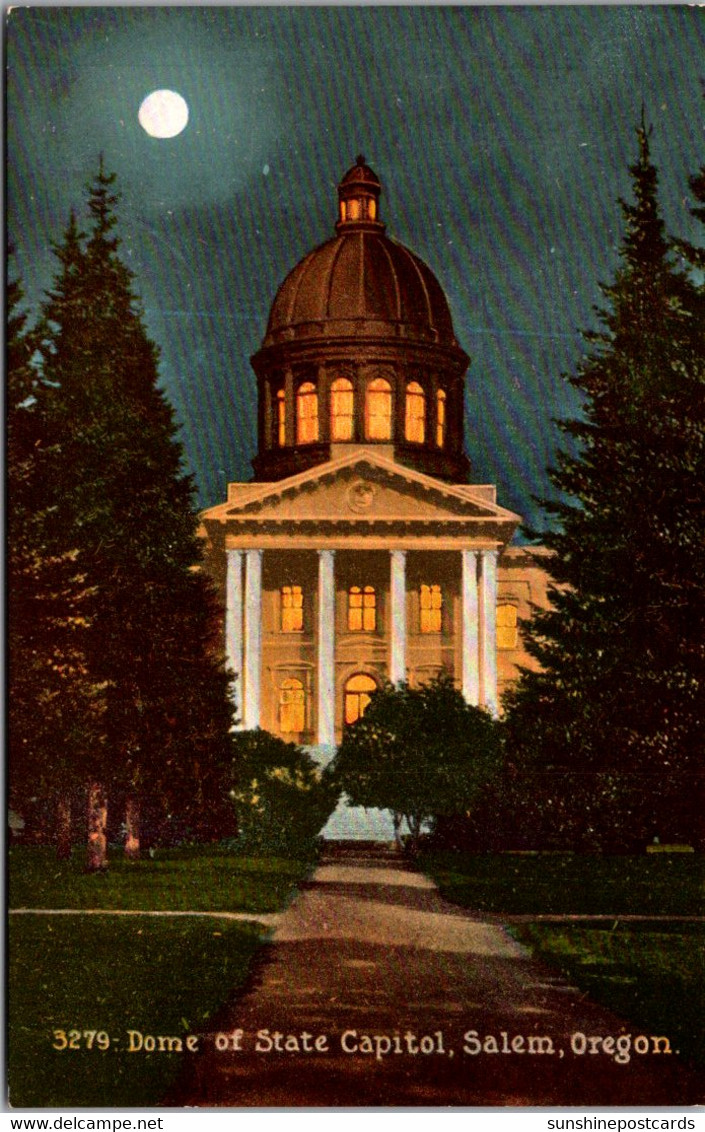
(378, 410)
(341, 409)
(292, 707)
(306, 413)
(280, 419)
(441, 418)
(415, 421)
(358, 692)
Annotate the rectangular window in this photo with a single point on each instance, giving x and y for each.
(362, 609)
(431, 609)
(292, 707)
(292, 607)
(507, 626)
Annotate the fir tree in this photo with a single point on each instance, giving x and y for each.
(120, 490)
(621, 689)
(54, 710)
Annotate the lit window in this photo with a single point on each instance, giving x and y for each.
(415, 429)
(292, 706)
(292, 609)
(379, 410)
(362, 609)
(358, 692)
(306, 413)
(280, 422)
(440, 418)
(507, 626)
(372, 208)
(431, 609)
(341, 409)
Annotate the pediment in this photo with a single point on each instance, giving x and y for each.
(364, 486)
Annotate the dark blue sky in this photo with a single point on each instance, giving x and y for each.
(502, 138)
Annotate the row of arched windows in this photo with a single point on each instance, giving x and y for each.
(378, 413)
(362, 612)
(292, 701)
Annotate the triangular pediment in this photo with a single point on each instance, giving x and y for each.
(362, 486)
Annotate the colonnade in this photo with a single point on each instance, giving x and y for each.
(243, 632)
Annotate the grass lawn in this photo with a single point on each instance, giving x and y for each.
(659, 884)
(652, 974)
(195, 880)
(113, 974)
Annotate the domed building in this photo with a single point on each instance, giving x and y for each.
(360, 552)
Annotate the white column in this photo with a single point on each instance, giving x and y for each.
(397, 645)
(326, 648)
(253, 638)
(233, 628)
(470, 629)
(488, 628)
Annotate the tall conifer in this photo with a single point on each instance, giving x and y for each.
(621, 690)
(120, 490)
(54, 709)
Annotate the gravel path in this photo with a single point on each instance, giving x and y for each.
(381, 993)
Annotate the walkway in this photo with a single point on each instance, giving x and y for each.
(402, 998)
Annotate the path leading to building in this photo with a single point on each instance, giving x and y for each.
(375, 991)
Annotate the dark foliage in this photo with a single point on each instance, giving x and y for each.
(282, 797)
(618, 707)
(118, 504)
(419, 752)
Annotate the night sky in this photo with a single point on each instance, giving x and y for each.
(502, 137)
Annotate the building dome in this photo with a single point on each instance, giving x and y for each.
(360, 319)
(360, 282)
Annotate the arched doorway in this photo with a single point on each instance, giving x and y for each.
(358, 691)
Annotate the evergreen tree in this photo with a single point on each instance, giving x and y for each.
(120, 493)
(620, 695)
(53, 708)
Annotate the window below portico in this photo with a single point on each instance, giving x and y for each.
(292, 707)
(430, 609)
(358, 692)
(362, 609)
(292, 609)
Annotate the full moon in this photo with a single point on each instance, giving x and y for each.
(163, 114)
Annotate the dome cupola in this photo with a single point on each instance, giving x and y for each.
(358, 195)
(360, 350)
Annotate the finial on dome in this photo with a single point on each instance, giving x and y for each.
(358, 194)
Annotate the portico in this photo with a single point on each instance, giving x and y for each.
(401, 591)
